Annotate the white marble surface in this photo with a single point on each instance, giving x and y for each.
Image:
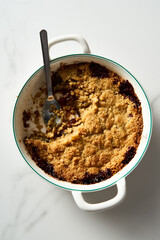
(125, 31)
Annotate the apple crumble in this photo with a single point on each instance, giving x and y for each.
(100, 129)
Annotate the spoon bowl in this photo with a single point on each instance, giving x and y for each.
(48, 112)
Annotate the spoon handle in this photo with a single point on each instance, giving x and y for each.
(44, 43)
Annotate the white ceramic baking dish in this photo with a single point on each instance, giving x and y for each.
(24, 101)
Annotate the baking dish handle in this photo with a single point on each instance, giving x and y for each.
(82, 204)
(70, 37)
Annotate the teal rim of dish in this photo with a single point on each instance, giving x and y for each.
(149, 136)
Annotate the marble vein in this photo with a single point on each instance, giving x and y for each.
(34, 222)
(155, 99)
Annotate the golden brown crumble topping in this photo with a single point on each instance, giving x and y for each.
(100, 130)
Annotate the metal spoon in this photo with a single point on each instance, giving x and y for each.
(50, 102)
